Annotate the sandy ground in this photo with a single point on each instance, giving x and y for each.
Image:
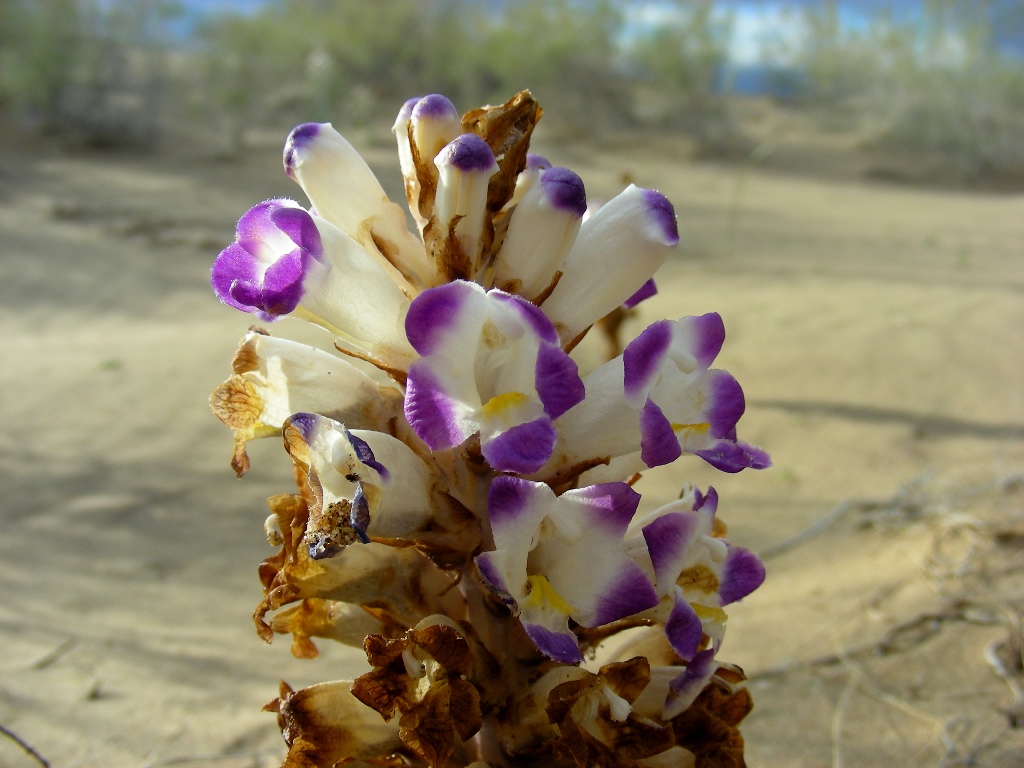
(877, 331)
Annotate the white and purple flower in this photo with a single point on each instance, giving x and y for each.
(490, 365)
(286, 260)
(695, 573)
(540, 542)
(658, 400)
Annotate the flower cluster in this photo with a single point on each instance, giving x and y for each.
(465, 510)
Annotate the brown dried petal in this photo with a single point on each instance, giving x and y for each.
(328, 619)
(506, 129)
(620, 745)
(325, 724)
(382, 690)
(428, 730)
(434, 717)
(627, 678)
(446, 646)
(604, 741)
(708, 727)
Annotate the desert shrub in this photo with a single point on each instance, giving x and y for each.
(934, 85)
(680, 66)
(91, 71)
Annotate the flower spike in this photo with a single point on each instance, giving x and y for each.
(462, 512)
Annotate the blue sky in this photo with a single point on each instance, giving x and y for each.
(752, 21)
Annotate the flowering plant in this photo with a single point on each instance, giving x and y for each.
(465, 510)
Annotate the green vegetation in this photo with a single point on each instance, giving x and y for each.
(110, 71)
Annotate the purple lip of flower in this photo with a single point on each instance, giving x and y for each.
(305, 423)
(359, 514)
(262, 272)
(365, 455)
(433, 106)
(743, 573)
(683, 630)
(467, 153)
(323, 548)
(644, 355)
(647, 290)
(565, 190)
(664, 214)
(508, 499)
(435, 312)
(554, 645)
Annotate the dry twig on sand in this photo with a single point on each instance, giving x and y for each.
(28, 748)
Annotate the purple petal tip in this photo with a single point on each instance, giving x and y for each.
(433, 106)
(664, 214)
(299, 137)
(564, 189)
(534, 162)
(554, 645)
(406, 111)
(305, 423)
(647, 290)
(468, 153)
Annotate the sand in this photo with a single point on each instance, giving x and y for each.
(876, 329)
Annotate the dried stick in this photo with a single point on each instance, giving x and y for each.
(25, 746)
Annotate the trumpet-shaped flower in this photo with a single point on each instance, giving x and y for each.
(540, 540)
(287, 261)
(695, 572)
(541, 230)
(274, 378)
(491, 365)
(617, 251)
(352, 477)
(423, 128)
(659, 399)
(458, 231)
(345, 192)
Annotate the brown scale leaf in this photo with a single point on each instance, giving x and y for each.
(426, 728)
(708, 728)
(507, 130)
(446, 646)
(620, 744)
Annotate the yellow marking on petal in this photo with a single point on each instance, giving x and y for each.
(541, 594)
(700, 578)
(500, 404)
(705, 613)
(702, 427)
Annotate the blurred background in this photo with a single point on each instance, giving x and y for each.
(849, 181)
(942, 79)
